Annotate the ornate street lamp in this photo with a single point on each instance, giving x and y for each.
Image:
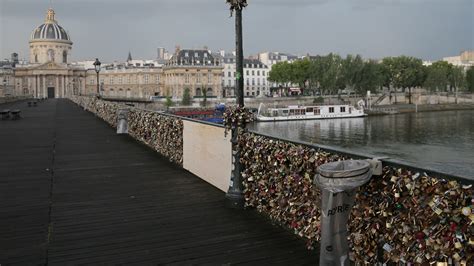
(234, 194)
(97, 70)
(4, 85)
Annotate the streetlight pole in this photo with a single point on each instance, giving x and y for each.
(4, 85)
(97, 70)
(234, 195)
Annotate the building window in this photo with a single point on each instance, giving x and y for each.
(248, 82)
(198, 92)
(146, 78)
(157, 78)
(128, 79)
(51, 55)
(36, 58)
(209, 92)
(64, 57)
(331, 109)
(209, 78)
(120, 80)
(229, 74)
(253, 72)
(263, 73)
(258, 72)
(186, 78)
(253, 81)
(198, 78)
(111, 80)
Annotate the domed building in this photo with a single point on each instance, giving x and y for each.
(49, 74)
(50, 42)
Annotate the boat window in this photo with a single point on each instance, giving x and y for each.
(317, 111)
(292, 112)
(275, 113)
(331, 109)
(309, 109)
(285, 112)
(343, 109)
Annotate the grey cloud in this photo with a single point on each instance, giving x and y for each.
(374, 28)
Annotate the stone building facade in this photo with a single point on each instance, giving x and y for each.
(132, 79)
(195, 70)
(255, 76)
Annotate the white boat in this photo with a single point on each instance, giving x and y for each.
(295, 112)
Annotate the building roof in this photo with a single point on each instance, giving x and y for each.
(254, 63)
(50, 30)
(193, 57)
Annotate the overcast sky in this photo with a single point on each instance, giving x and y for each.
(108, 29)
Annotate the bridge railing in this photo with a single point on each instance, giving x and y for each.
(406, 215)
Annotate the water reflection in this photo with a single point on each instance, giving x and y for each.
(439, 140)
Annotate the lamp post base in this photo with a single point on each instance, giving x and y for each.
(234, 199)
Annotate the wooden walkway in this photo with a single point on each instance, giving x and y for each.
(74, 192)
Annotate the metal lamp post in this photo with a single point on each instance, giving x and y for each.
(97, 70)
(234, 195)
(4, 86)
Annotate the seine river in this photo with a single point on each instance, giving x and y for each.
(442, 141)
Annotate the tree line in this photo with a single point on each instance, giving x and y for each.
(331, 73)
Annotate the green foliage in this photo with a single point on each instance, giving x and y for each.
(204, 98)
(437, 76)
(404, 71)
(318, 100)
(370, 77)
(168, 102)
(457, 78)
(470, 79)
(281, 72)
(351, 71)
(186, 97)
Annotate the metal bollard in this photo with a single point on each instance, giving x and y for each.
(122, 121)
(338, 182)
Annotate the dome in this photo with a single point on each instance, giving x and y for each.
(50, 30)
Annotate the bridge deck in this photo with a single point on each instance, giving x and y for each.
(74, 192)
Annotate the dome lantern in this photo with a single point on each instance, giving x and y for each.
(50, 30)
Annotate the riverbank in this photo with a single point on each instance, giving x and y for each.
(412, 108)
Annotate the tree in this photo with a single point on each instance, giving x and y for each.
(204, 97)
(371, 77)
(281, 73)
(300, 73)
(405, 72)
(437, 76)
(186, 97)
(470, 79)
(351, 71)
(168, 102)
(457, 78)
(331, 73)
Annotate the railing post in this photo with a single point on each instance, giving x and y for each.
(122, 121)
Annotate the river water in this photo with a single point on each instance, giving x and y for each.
(442, 141)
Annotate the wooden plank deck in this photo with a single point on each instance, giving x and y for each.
(74, 192)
